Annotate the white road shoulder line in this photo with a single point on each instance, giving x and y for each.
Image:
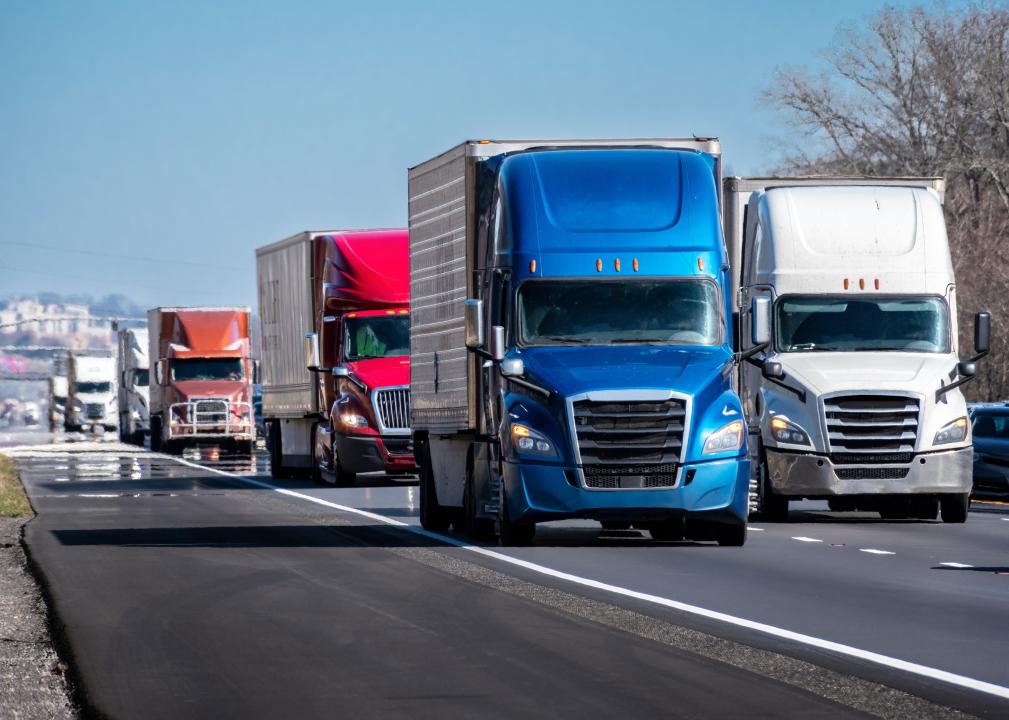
(809, 640)
(800, 538)
(874, 551)
(956, 565)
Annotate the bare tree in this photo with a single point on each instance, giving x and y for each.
(921, 91)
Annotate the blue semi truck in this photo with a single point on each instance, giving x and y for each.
(571, 353)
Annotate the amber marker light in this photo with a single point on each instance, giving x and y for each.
(876, 282)
(532, 266)
(616, 264)
(846, 283)
(700, 264)
(404, 312)
(599, 264)
(635, 264)
(861, 283)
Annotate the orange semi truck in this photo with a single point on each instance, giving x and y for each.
(344, 409)
(203, 378)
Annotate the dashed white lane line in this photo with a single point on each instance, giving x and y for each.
(754, 529)
(801, 638)
(874, 551)
(960, 566)
(800, 538)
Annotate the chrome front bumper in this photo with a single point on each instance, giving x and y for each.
(798, 475)
(212, 419)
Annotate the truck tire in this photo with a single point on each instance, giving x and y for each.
(277, 469)
(433, 517)
(477, 528)
(513, 534)
(925, 507)
(955, 507)
(155, 433)
(344, 478)
(772, 508)
(731, 534)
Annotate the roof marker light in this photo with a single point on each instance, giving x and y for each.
(352, 315)
(599, 264)
(616, 264)
(846, 283)
(532, 266)
(635, 264)
(876, 281)
(390, 312)
(404, 312)
(861, 283)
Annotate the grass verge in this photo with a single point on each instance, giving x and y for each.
(13, 502)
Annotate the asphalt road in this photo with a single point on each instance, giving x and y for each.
(183, 590)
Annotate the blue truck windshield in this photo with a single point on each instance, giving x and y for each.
(843, 324)
(609, 312)
(376, 336)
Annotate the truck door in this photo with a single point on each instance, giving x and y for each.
(750, 373)
(495, 288)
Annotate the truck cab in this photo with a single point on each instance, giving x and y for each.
(91, 388)
(204, 374)
(847, 315)
(580, 364)
(134, 391)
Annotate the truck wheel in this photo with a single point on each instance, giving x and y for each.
(513, 534)
(344, 478)
(155, 433)
(773, 508)
(477, 528)
(955, 507)
(277, 469)
(670, 530)
(925, 507)
(433, 517)
(611, 525)
(731, 534)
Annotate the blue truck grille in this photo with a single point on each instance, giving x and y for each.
(630, 444)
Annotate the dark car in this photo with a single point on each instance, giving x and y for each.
(990, 427)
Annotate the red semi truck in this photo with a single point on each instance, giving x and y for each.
(342, 296)
(203, 378)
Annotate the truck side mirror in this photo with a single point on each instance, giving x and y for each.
(161, 372)
(982, 333)
(760, 311)
(312, 360)
(966, 368)
(473, 316)
(772, 370)
(340, 371)
(513, 367)
(256, 372)
(497, 343)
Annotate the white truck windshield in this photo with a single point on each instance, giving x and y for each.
(609, 312)
(845, 324)
(94, 387)
(377, 336)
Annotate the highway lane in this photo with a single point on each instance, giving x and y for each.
(186, 587)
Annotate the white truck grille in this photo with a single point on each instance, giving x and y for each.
(872, 424)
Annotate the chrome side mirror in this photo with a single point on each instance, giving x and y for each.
(772, 370)
(312, 360)
(340, 371)
(513, 367)
(497, 343)
(473, 318)
(760, 311)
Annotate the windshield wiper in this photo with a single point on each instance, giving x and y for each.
(557, 338)
(812, 347)
(365, 357)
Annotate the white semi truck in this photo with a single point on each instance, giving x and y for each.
(91, 402)
(847, 323)
(132, 370)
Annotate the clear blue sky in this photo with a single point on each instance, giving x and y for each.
(191, 133)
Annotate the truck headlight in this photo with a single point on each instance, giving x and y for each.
(725, 439)
(527, 440)
(786, 432)
(353, 420)
(955, 431)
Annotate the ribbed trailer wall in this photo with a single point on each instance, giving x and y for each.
(286, 311)
(439, 276)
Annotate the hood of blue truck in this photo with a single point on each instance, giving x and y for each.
(574, 370)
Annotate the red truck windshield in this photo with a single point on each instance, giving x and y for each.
(207, 369)
(377, 336)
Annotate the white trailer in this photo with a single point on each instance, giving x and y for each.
(133, 373)
(846, 315)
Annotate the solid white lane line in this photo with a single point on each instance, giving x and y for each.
(874, 551)
(829, 645)
(754, 529)
(800, 538)
(956, 565)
